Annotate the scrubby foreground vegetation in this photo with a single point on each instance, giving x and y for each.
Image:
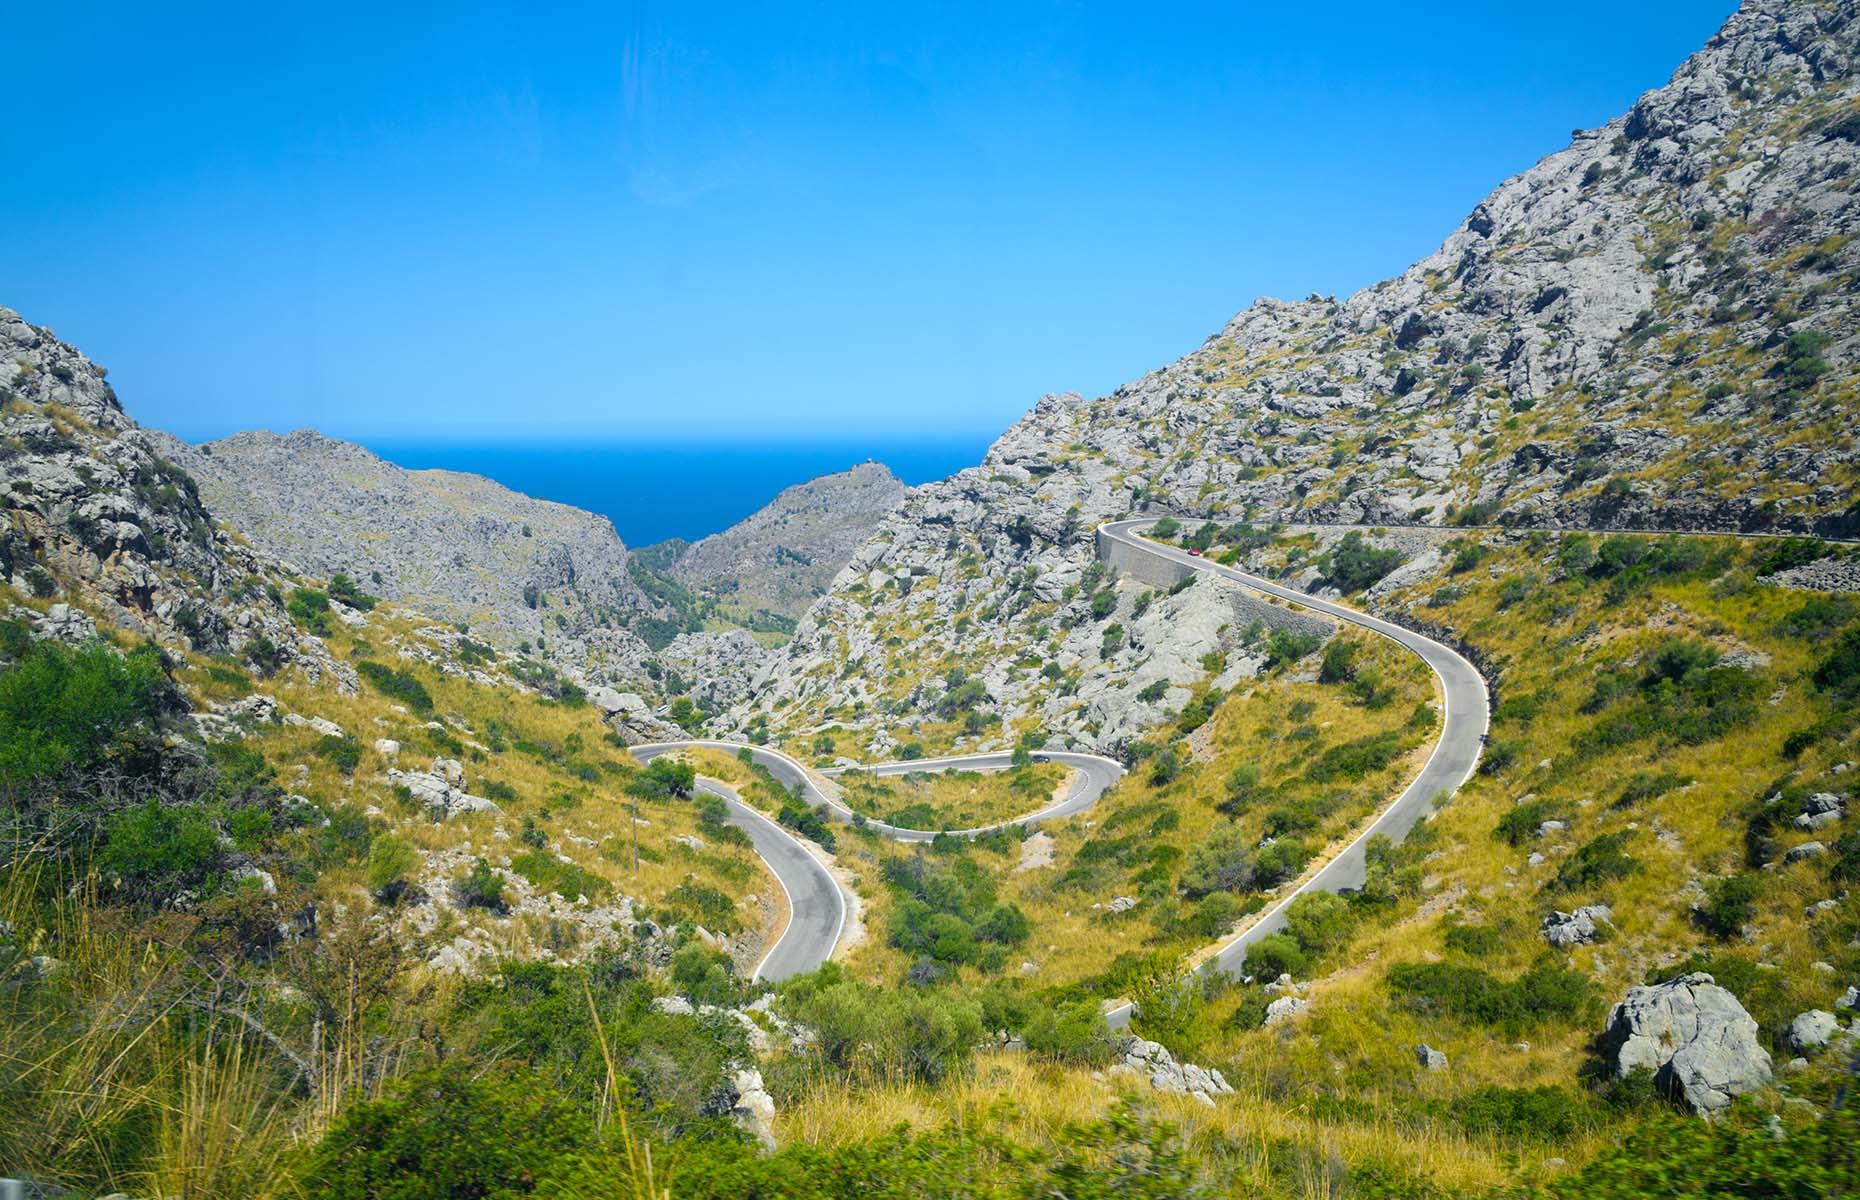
(209, 986)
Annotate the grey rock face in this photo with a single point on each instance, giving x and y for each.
(782, 558)
(1804, 852)
(96, 514)
(442, 790)
(458, 547)
(1578, 928)
(1696, 1038)
(1430, 1058)
(754, 1109)
(1165, 1074)
(1811, 1030)
(1821, 810)
(1283, 1009)
(1691, 209)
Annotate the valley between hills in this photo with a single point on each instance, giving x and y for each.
(1402, 748)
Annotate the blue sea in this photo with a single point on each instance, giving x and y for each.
(654, 490)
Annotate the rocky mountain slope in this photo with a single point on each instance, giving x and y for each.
(514, 570)
(96, 513)
(1654, 326)
(538, 577)
(781, 559)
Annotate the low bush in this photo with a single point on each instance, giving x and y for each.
(547, 873)
(396, 685)
(1679, 1156)
(1274, 955)
(1543, 994)
(1730, 903)
(1353, 564)
(1545, 1113)
(1594, 863)
(482, 888)
(342, 751)
(65, 710)
(155, 852)
(704, 905)
(1521, 822)
(390, 864)
(458, 1130)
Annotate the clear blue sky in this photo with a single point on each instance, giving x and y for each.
(473, 220)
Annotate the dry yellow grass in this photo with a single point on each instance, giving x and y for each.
(549, 766)
(1265, 1145)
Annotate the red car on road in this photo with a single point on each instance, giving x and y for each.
(1196, 553)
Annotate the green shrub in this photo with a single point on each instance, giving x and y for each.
(1846, 865)
(1738, 1158)
(1475, 941)
(547, 873)
(1840, 670)
(1073, 1032)
(154, 851)
(1542, 994)
(342, 588)
(1338, 663)
(310, 608)
(809, 823)
(704, 905)
(1274, 955)
(1594, 863)
(390, 862)
(1318, 921)
(482, 888)
(1642, 787)
(1286, 646)
(1730, 903)
(1781, 554)
(1355, 759)
(459, 1130)
(1500, 755)
(71, 710)
(1521, 822)
(341, 750)
(397, 685)
(664, 779)
(1353, 564)
(1546, 1113)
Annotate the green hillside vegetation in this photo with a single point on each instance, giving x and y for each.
(1654, 694)
(953, 799)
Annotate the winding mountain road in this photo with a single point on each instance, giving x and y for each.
(1466, 715)
(816, 906)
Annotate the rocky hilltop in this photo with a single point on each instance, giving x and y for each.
(1654, 326)
(533, 576)
(516, 571)
(781, 559)
(97, 513)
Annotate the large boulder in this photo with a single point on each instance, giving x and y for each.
(1811, 1030)
(1693, 1035)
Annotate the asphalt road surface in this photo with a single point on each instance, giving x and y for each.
(818, 910)
(1463, 726)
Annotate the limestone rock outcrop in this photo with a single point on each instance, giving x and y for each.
(1693, 1035)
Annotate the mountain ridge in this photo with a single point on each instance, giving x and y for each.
(1652, 326)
